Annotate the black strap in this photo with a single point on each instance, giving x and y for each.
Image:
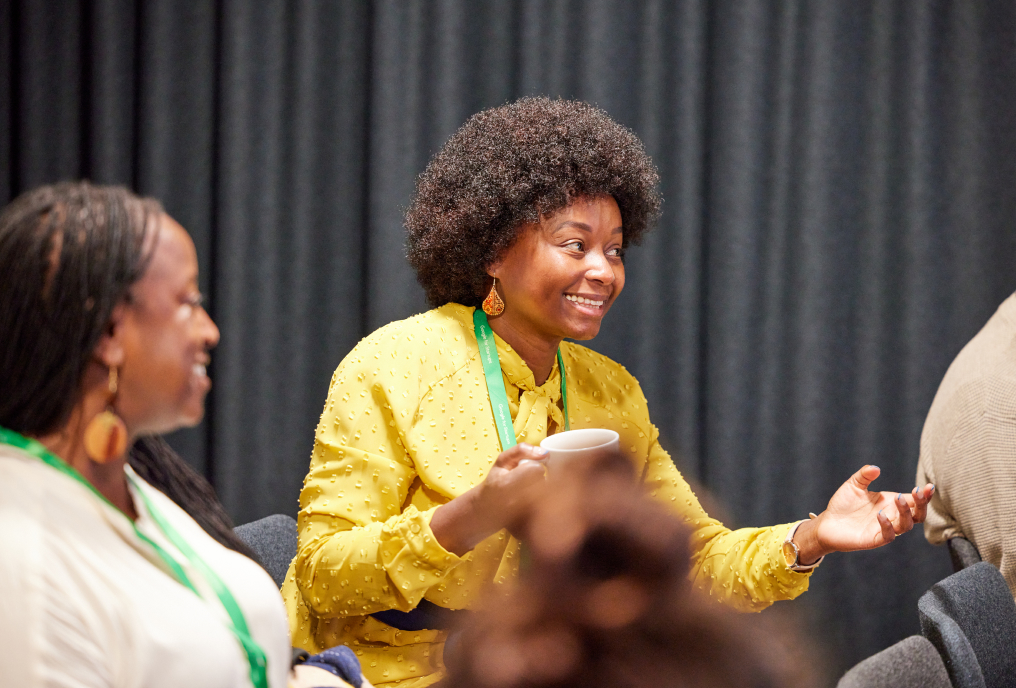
(427, 615)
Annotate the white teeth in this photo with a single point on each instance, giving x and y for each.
(580, 299)
(199, 369)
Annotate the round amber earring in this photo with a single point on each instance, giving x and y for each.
(106, 434)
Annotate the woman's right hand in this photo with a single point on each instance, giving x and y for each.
(494, 504)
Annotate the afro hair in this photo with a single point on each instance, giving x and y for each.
(509, 166)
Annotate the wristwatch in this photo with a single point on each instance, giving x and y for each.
(792, 553)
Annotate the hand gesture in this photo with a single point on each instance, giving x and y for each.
(857, 518)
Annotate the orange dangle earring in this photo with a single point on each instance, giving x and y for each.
(493, 305)
(106, 434)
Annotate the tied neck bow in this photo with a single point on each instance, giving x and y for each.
(535, 409)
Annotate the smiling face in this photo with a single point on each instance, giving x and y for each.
(562, 275)
(165, 335)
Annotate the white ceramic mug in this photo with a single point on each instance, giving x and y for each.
(576, 444)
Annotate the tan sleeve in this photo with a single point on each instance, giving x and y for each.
(975, 484)
(939, 525)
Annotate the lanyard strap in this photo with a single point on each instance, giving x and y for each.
(495, 383)
(255, 655)
(564, 390)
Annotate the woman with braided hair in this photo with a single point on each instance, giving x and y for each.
(107, 582)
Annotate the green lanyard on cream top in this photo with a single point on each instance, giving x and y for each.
(495, 383)
(255, 655)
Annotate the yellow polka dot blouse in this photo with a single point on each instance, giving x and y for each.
(408, 426)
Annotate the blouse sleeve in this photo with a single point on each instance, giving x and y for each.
(359, 551)
(743, 568)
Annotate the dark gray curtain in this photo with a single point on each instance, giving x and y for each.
(840, 185)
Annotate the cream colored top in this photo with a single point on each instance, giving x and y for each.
(968, 446)
(86, 603)
(408, 426)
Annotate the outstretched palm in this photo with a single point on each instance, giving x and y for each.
(858, 519)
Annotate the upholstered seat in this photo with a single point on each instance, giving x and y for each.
(970, 617)
(273, 539)
(911, 663)
(962, 552)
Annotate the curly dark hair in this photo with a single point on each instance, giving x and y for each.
(510, 166)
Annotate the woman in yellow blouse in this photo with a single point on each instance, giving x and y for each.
(527, 210)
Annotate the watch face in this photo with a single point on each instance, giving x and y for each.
(790, 553)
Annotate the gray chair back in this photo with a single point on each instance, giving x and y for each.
(970, 617)
(273, 539)
(911, 663)
(962, 553)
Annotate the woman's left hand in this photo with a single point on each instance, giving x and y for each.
(858, 519)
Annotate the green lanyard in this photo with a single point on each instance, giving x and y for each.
(255, 655)
(495, 383)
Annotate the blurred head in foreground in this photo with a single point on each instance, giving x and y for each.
(606, 601)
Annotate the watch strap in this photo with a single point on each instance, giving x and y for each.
(797, 566)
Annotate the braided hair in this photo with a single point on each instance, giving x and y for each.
(69, 253)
